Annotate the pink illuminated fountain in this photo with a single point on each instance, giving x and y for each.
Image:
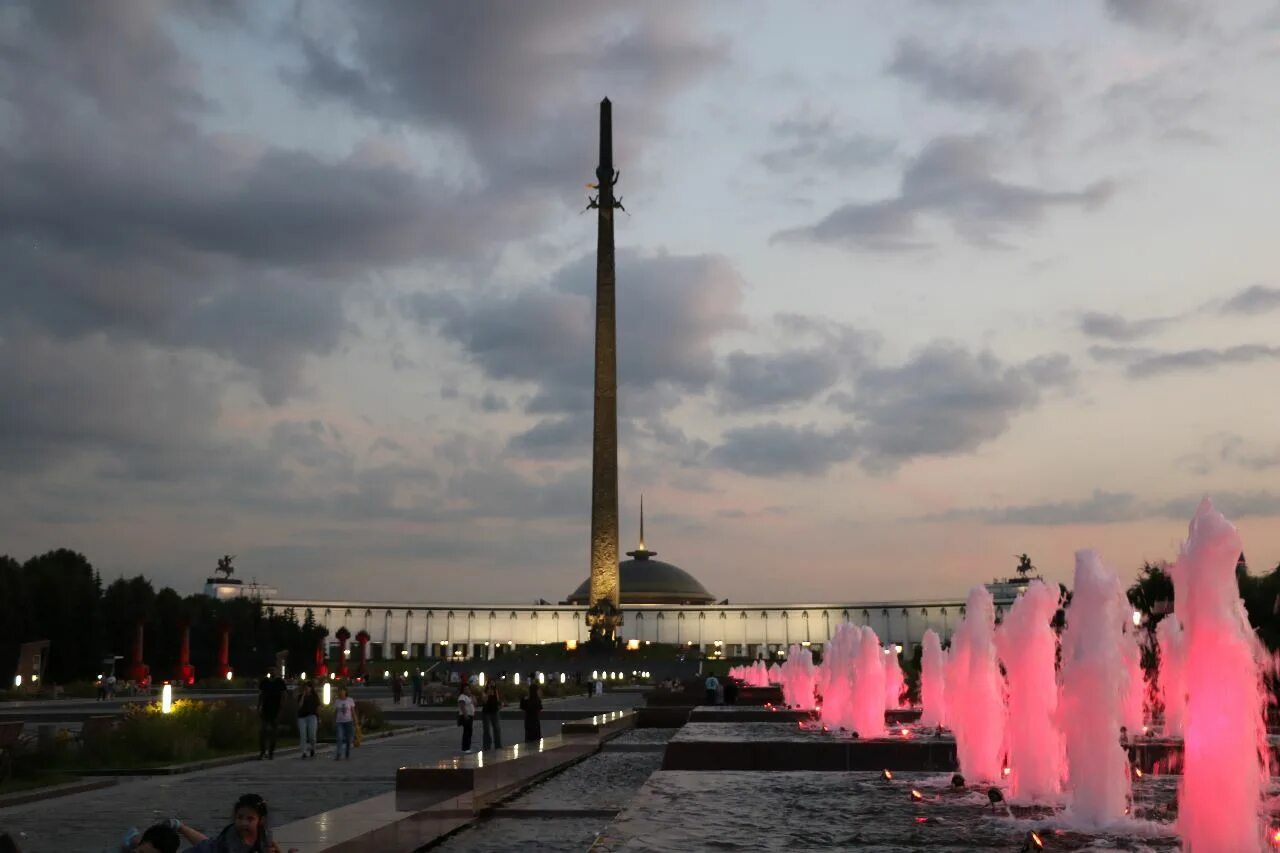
(933, 685)
(1028, 648)
(975, 693)
(894, 681)
(1094, 682)
(1223, 775)
(852, 681)
(1170, 640)
(1132, 710)
(798, 677)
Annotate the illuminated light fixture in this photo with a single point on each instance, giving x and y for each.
(595, 675)
(1137, 618)
(904, 732)
(404, 653)
(386, 673)
(346, 653)
(632, 645)
(480, 679)
(1033, 842)
(806, 643)
(444, 642)
(562, 678)
(34, 679)
(898, 648)
(332, 676)
(302, 676)
(515, 678)
(886, 774)
(542, 679)
(229, 675)
(406, 674)
(166, 698)
(327, 693)
(571, 645)
(916, 796)
(1006, 771)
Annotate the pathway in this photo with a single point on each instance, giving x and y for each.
(293, 788)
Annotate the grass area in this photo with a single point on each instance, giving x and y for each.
(31, 783)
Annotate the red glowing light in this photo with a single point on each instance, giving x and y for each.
(921, 819)
(916, 796)
(1275, 839)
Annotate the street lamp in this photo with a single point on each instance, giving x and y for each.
(327, 692)
(166, 698)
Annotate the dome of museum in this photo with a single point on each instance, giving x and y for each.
(645, 580)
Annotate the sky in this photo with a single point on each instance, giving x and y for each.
(904, 290)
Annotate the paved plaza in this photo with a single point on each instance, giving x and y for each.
(293, 788)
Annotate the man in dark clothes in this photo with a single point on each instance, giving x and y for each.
(270, 694)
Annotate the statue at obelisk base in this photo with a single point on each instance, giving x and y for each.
(604, 616)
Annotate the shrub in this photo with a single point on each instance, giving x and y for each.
(232, 726)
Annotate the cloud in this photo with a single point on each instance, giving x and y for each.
(807, 141)
(1173, 16)
(1234, 505)
(1230, 449)
(952, 180)
(1113, 327)
(1145, 365)
(1099, 508)
(1018, 81)
(944, 400)
(764, 380)
(672, 308)
(518, 89)
(1257, 299)
(780, 450)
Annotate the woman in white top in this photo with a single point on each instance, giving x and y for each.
(466, 716)
(344, 718)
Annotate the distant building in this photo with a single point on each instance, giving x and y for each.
(225, 589)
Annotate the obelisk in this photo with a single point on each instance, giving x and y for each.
(604, 615)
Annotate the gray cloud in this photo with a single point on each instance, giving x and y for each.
(760, 380)
(807, 141)
(1146, 366)
(779, 450)
(1099, 508)
(945, 400)
(1228, 449)
(953, 180)
(532, 76)
(1113, 327)
(1257, 299)
(1018, 81)
(1176, 16)
(1234, 505)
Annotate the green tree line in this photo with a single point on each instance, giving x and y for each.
(60, 597)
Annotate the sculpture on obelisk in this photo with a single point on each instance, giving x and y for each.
(604, 615)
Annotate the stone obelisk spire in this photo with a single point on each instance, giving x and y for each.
(604, 616)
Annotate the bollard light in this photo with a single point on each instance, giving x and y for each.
(228, 675)
(542, 679)
(332, 676)
(327, 693)
(515, 678)
(595, 675)
(302, 676)
(166, 698)
(17, 681)
(562, 678)
(480, 679)
(386, 673)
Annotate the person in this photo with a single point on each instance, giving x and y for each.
(416, 683)
(247, 833)
(308, 720)
(532, 707)
(397, 689)
(466, 716)
(344, 719)
(270, 693)
(7, 844)
(102, 695)
(713, 685)
(165, 837)
(730, 692)
(489, 717)
(111, 686)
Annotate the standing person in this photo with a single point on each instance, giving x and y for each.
(247, 833)
(489, 717)
(397, 689)
(713, 687)
(270, 693)
(730, 692)
(466, 716)
(532, 707)
(111, 686)
(308, 720)
(344, 723)
(416, 683)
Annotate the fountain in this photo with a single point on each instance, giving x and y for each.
(1223, 776)
(1132, 710)
(933, 685)
(894, 682)
(852, 681)
(975, 700)
(1094, 683)
(1172, 684)
(1028, 648)
(798, 676)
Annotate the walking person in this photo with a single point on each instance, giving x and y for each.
(270, 693)
(713, 687)
(308, 720)
(344, 723)
(466, 716)
(532, 707)
(416, 683)
(489, 717)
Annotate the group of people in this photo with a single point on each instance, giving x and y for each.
(721, 692)
(248, 832)
(490, 715)
(271, 693)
